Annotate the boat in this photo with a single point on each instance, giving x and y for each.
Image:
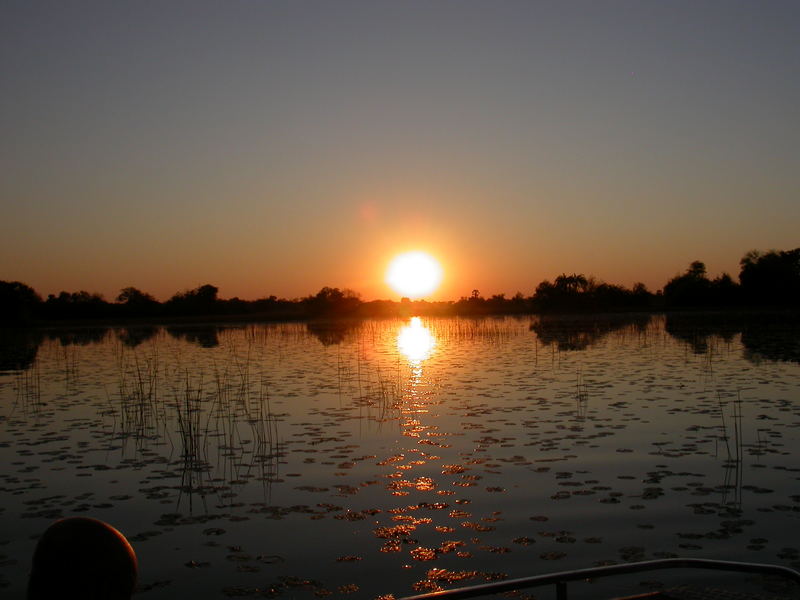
(560, 581)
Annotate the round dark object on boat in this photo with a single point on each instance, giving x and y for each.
(82, 558)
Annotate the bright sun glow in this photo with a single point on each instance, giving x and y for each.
(415, 341)
(414, 274)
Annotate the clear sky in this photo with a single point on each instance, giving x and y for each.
(272, 147)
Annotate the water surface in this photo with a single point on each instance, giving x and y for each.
(392, 457)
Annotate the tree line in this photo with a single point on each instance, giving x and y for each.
(766, 279)
(21, 303)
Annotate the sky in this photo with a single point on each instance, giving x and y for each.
(276, 147)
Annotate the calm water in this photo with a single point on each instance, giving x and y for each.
(390, 457)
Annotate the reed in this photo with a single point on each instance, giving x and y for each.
(735, 457)
(139, 414)
(228, 433)
(724, 437)
(28, 387)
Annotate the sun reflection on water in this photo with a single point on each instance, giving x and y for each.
(415, 341)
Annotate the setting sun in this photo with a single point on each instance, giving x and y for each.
(414, 274)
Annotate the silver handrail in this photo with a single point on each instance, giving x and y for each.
(560, 579)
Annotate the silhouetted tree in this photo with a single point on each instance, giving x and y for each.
(135, 302)
(694, 288)
(131, 295)
(697, 270)
(475, 304)
(725, 291)
(566, 293)
(571, 284)
(497, 303)
(771, 278)
(690, 289)
(18, 302)
(207, 293)
(199, 301)
(76, 305)
(518, 303)
(578, 293)
(332, 302)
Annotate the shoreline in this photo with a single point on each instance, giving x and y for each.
(242, 318)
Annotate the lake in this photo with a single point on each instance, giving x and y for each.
(362, 459)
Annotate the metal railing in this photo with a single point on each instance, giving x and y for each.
(561, 579)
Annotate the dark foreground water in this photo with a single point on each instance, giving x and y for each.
(392, 457)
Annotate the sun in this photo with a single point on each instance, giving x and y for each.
(414, 274)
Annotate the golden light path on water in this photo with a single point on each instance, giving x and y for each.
(415, 341)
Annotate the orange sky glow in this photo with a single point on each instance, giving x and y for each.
(276, 148)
